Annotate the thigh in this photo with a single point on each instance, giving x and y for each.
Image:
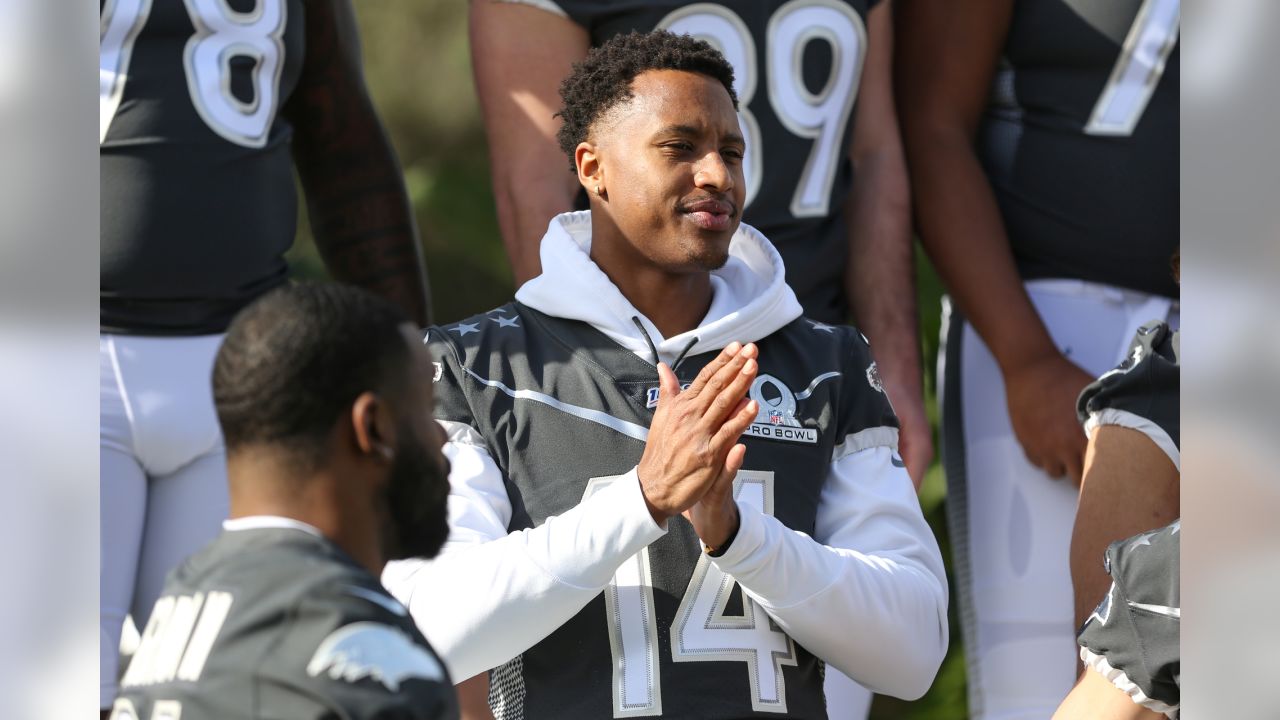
(185, 510)
(122, 509)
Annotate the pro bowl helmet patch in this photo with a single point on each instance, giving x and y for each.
(776, 418)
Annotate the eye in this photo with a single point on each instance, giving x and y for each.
(731, 154)
(679, 146)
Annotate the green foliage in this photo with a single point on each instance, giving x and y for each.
(418, 69)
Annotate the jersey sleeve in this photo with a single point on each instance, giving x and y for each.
(1142, 392)
(350, 650)
(1132, 638)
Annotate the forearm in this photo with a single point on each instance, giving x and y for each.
(519, 54)
(526, 207)
(867, 592)
(362, 220)
(845, 606)
(880, 274)
(360, 213)
(961, 229)
(505, 595)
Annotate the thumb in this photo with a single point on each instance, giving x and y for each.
(668, 383)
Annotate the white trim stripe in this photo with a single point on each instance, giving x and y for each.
(1173, 612)
(804, 394)
(1124, 418)
(1117, 677)
(872, 437)
(630, 429)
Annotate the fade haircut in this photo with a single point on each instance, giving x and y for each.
(603, 79)
(293, 362)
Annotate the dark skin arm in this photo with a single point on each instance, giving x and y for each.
(356, 199)
(947, 55)
(880, 275)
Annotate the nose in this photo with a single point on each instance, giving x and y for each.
(712, 173)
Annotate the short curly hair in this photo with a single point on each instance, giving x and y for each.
(603, 79)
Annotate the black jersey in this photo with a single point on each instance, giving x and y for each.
(1080, 142)
(1133, 636)
(280, 623)
(797, 68)
(564, 410)
(1144, 386)
(198, 203)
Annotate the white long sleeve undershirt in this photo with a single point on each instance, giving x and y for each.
(867, 593)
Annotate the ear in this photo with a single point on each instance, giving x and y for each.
(590, 175)
(373, 427)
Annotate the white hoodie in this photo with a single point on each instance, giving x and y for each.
(866, 593)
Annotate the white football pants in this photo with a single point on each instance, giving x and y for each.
(1010, 523)
(163, 477)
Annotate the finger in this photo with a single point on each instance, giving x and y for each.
(728, 399)
(668, 384)
(723, 378)
(727, 354)
(737, 423)
(733, 463)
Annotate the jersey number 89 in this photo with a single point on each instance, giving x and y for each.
(221, 35)
(822, 117)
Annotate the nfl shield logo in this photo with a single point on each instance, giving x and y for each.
(775, 417)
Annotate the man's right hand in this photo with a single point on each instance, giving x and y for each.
(1041, 395)
(693, 440)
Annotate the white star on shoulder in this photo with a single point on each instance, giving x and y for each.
(821, 327)
(506, 321)
(464, 328)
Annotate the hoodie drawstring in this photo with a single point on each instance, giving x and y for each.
(654, 348)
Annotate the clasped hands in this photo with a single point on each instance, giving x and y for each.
(693, 454)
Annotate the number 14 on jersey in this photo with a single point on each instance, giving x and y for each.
(701, 631)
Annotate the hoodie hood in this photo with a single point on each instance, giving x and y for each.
(750, 297)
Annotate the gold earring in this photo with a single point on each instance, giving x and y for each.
(598, 191)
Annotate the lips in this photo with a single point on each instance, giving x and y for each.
(710, 214)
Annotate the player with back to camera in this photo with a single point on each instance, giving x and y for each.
(335, 466)
(207, 107)
(672, 494)
(1042, 137)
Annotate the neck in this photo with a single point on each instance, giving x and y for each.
(675, 302)
(263, 485)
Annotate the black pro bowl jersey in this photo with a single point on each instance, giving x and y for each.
(1080, 141)
(198, 203)
(1133, 636)
(797, 67)
(1143, 392)
(280, 623)
(564, 411)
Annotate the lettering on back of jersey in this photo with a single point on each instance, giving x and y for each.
(178, 638)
